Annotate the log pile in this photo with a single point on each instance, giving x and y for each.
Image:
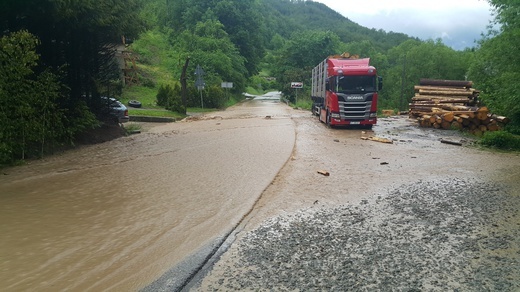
(452, 104)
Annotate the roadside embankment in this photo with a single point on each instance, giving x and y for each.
(439, 235)
(150, 119)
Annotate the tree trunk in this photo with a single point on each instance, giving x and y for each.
(184, 85)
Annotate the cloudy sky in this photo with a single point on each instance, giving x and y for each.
(457, 22)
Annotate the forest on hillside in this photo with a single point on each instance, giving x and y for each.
(58, 58)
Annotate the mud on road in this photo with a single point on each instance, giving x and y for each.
(360, 168)
(414, 214)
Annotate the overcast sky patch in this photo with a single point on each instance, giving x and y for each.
(459, 23)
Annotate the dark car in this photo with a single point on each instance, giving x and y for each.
(116, 109)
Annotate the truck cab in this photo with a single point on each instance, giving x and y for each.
(345, 92)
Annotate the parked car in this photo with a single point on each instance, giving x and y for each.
(116, 109)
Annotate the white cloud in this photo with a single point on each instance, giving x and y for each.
(372, 7)
(463, 20)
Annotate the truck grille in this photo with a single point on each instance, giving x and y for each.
(355, 110)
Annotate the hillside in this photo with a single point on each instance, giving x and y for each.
(286, 16)
(237, 40)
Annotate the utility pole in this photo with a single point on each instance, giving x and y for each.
(184, 86)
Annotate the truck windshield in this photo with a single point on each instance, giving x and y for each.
(356, 84)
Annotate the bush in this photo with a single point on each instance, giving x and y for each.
(501, 140)
(213, 96)
(147, 82)
(170, 98)
(162, 95)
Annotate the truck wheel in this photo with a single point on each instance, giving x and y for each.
(316, 109)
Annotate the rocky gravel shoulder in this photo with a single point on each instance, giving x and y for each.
(439, 235)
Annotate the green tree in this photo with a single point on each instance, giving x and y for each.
(170, 98)
(31, 120)
(413, 60)
(76, 36)
(300, 54)
(245, 28)
(209, 46)
(240, 21)
(496, 67)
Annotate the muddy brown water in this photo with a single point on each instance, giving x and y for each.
(361, 168)
(117, 215)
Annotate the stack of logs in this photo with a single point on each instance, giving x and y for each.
(452, 104)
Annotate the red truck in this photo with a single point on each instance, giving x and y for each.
(345, 91)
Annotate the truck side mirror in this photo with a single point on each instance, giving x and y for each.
(327, 85)
(380, 82)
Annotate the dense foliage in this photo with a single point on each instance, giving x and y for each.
(32, 118)
(413, 60)
(496, 66)
(75, 41)
(501, 140)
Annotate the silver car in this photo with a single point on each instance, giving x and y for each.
(116, 109)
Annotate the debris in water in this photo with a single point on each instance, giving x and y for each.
(324, 172)
(451, 142)
(378, 139)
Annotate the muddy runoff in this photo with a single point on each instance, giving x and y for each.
(387, 217)
(117, 215)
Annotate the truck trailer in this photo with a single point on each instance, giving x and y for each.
(345, 91)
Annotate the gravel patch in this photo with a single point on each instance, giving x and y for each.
(444, 235)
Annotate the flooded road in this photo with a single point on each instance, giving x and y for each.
(272, 252)
(117, 215)
(360, 168)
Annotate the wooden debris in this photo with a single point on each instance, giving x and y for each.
(451, 142)
(323, 172)
(452, 104)
(388, 113)
(446, 83)
(378, 139)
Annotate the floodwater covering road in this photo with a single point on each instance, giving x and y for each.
(377, 221)
(117, 215)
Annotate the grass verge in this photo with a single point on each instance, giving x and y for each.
(501, 140)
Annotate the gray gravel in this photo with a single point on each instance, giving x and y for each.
(444, 235)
